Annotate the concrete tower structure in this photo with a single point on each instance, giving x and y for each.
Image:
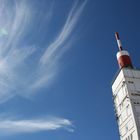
(126, 96)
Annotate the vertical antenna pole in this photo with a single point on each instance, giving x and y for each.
(118, 41)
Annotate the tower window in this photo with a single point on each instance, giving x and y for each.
(131, 82)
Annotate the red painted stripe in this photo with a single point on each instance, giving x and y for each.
(124, 61)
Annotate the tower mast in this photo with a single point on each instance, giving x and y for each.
(126, 96)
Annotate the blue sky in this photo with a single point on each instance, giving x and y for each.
(57, 61)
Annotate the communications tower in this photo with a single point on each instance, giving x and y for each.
(126, 96)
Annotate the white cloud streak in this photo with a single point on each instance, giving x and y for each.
(71, 21)
(10, 126)
(17, 75)
(53, 52)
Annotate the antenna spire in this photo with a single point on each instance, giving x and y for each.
(123, 57)
(118, 41)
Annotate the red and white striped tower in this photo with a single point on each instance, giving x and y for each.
(123, 56)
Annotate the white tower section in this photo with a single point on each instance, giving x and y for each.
(126, 96)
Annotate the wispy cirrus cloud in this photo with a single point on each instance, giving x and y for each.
(14, 126)
(66, 31)
(23, 68)
(50, 58)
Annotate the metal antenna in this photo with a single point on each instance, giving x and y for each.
(118, 41)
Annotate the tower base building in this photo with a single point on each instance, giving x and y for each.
(126, 96)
